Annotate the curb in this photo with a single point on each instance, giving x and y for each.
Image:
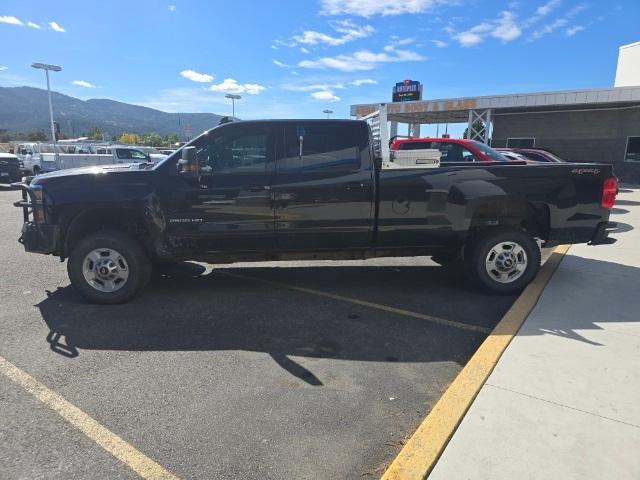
(421, 452)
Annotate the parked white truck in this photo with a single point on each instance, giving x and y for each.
(39, 157)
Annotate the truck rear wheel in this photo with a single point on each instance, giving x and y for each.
(108, 267)
(502, 260)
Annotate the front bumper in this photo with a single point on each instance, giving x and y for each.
(601, 236)
(39, 238)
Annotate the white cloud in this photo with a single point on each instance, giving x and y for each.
(439, 43)
(326, 96)
(559, 22)
(254, 88)
(83, 83)
(474, 35)
(281, 64)
(313, 86)
(172, 8)
(369, 8)
(56, 27)
(362, 60)
(229, 85)
(3, 68)
(504, 28)
(349, 32)
(397, 42)
(364, 81)
(304, 50)
(546, 9)
(570, 32)
(196, 77)
(34, 25)
(11, 20)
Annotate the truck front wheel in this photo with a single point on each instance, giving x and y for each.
(502, 260)
(108, 267)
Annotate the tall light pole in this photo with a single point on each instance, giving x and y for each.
(54, 68)
(328, 112)
(233, 103)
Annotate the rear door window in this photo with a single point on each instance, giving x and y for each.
(315, 148)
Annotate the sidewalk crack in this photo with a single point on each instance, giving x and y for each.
(563, 405)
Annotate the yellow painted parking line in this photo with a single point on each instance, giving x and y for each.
(112, 443)
(386, 308)
(422, 450)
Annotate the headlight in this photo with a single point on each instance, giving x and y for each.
(38, 207)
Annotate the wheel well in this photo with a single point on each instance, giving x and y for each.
(89, 221)
(532, 217)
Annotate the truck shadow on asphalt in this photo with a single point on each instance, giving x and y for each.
(191, 311)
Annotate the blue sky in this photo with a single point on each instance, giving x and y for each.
(297, 58)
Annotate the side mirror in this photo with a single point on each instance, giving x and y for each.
(188, 164)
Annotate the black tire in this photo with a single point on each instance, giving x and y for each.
(478, 261)
(138, 266)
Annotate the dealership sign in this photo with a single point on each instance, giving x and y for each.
(407, 91)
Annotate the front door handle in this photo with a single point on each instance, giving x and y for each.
(259, 188)
(354, 185)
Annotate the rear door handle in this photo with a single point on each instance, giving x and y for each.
(354, 185)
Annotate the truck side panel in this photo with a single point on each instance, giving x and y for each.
(442, 206)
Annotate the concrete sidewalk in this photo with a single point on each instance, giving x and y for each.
(564, 399)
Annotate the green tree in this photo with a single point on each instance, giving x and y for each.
(151, 139)
(171, 139)
(37, 136)
(94, 133)
(128, 138)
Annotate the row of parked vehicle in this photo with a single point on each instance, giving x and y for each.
(35, 157)
(463, 150)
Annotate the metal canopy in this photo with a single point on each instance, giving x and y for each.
(456, 110)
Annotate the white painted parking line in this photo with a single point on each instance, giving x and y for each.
(109, 441)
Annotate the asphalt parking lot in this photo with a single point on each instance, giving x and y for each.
(266, 371)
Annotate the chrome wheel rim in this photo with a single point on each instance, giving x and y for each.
(105, 269)
(506, 262)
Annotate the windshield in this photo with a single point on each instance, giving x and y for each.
(490, 152)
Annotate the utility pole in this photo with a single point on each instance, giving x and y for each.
(233, 103)
(54, 68)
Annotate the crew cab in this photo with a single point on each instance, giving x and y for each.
(307, 189)
(451, 149)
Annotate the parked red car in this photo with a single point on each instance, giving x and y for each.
(453, 149)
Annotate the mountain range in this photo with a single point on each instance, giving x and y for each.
(24, 109)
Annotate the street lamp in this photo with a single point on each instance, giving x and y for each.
(233, 103)
(54, 68)
(328, 112)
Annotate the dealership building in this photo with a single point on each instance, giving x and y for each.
(587, 125)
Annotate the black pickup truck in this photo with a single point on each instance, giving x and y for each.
(307, 189)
